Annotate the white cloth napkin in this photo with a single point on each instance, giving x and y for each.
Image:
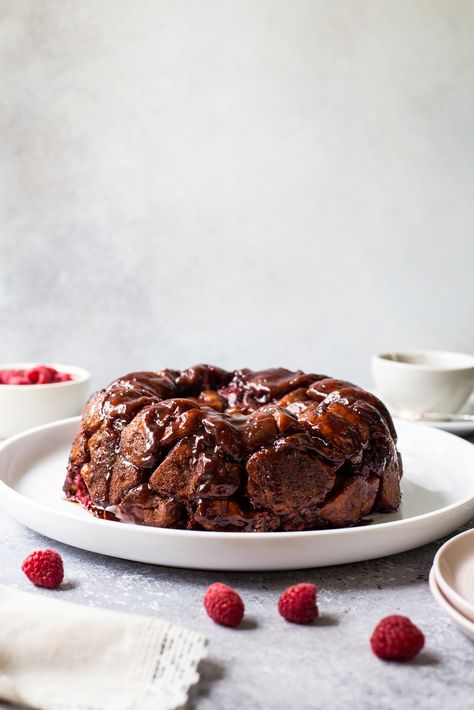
(60, 656)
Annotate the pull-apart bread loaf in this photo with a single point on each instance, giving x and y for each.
(206, 449)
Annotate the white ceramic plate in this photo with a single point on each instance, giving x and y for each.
(454, 572)
(438, 497)
(461, 622)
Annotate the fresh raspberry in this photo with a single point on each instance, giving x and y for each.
(62, 377)
(7, 375)
(44, 568)
(41, 375)
(223, 605)
(298, 603)
(17, 380)
(38, 375)
(396, 638)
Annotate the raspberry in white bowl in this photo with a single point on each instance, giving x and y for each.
(32, 394)
(37, 375)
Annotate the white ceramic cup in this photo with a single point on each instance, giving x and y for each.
(26, 406)
(413, 382)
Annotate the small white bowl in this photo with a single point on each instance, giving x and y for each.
(413, 382)
(453, 568)
(26, 406)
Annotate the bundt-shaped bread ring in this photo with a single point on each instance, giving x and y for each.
(239, 451)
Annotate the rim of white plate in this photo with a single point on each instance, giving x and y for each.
(457, 599)
(462, 621)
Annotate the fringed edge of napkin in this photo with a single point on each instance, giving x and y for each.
(170, 658)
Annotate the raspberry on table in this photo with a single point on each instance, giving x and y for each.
(396, 638)
(44, 568)
(298, 603)
(224, 605)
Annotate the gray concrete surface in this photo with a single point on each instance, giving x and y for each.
(268, 664)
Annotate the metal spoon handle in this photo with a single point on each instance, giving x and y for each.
(438, 416)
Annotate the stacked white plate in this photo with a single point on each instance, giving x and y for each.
(452, 580)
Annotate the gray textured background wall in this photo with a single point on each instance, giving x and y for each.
(250, 183)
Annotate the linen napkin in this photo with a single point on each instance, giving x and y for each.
(60, 656)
